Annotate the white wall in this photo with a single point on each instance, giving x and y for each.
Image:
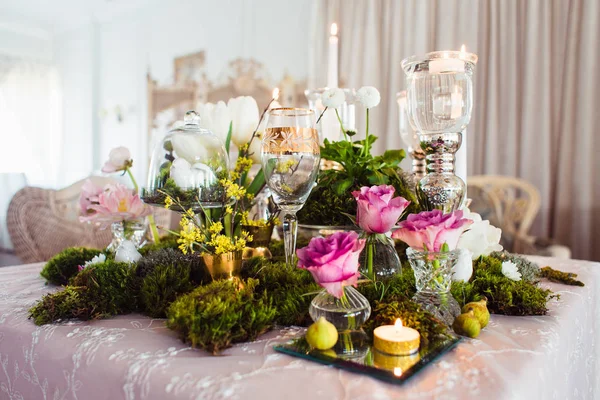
(119, 52)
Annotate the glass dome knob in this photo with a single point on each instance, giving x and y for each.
(191, 117)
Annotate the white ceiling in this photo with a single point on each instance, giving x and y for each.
(46, 18)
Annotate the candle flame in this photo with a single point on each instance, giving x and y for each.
(334, 29)
(398, 371)
(463, 48)
(275, 93)
(398, 323)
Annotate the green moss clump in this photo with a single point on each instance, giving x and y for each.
(216, 315)
(529, 270)
(290, 289)
(567, 278)
(99, 291)
(167, 274)
(65, 264)
(504, 295)
(402, 284)
(167, 242)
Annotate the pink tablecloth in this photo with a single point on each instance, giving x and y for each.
(133, 357)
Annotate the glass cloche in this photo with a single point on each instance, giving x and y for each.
(187, 164)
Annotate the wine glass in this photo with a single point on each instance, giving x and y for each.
(290, 157)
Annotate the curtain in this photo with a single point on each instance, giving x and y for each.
(30, 121)
(536, 83)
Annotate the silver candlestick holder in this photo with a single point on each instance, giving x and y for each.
(439, 101)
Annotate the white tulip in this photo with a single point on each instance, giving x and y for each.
(368, 96)
(333, 98)
(215, 118)
(510, 270)
(463, 269)
(127, 252)
(244, 118)
(482, 238)
(189, 147)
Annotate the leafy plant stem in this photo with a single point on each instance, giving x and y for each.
(341, 124)
(321, 116)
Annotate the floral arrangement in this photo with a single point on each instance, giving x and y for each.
(328, 202)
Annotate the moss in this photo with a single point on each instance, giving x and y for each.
(99, 291)
(215, 316)
(504, 295)
(165, 275)
(167, 242)
(290, 289)
(529, 270)
(65, 264)
(567, 278)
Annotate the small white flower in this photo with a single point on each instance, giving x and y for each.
(333, 98)
(99, 259)
(463, 269)
(127, 252)
(510, 270)
(368, 96)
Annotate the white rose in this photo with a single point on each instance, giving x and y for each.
(119, 159)
(463, 269)
(216, 118)
(482, 238)
(368, 96)
(244, 118)
(333, 98)
(127, 252)
(510, 270)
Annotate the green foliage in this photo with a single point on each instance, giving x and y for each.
(567, 278)
(186, 197)
(504, 295)
(216, 315)
(529, 270)
(165, 275)
(331, 198)
(289, 289)
(99, 291)
(65, 264)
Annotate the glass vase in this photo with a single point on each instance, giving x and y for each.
(433, 278)
(379, 258)
(347, 313)
(134, 231)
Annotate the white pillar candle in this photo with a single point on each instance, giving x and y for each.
(440, 65)
(332, 68)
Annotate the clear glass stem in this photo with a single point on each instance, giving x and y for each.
(290, 231)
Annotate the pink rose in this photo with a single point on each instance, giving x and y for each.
(88, 197)
(119, 159)
(333, 260)
(377, 211)
(116, 203)
(432, 229)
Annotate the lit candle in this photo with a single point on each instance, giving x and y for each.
(396, 339)
(332, 71)
(447, 64)
(274, 102)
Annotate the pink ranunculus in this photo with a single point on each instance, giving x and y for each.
(333, 260)
(119, 159)
(432, 229)
(88, 197)
(117, 203)
(377, 211)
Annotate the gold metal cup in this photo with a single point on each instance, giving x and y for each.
(224, 266)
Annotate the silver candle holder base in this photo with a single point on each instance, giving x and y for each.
(440, 189)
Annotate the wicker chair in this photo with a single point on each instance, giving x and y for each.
(43, 222)
(512, 205)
